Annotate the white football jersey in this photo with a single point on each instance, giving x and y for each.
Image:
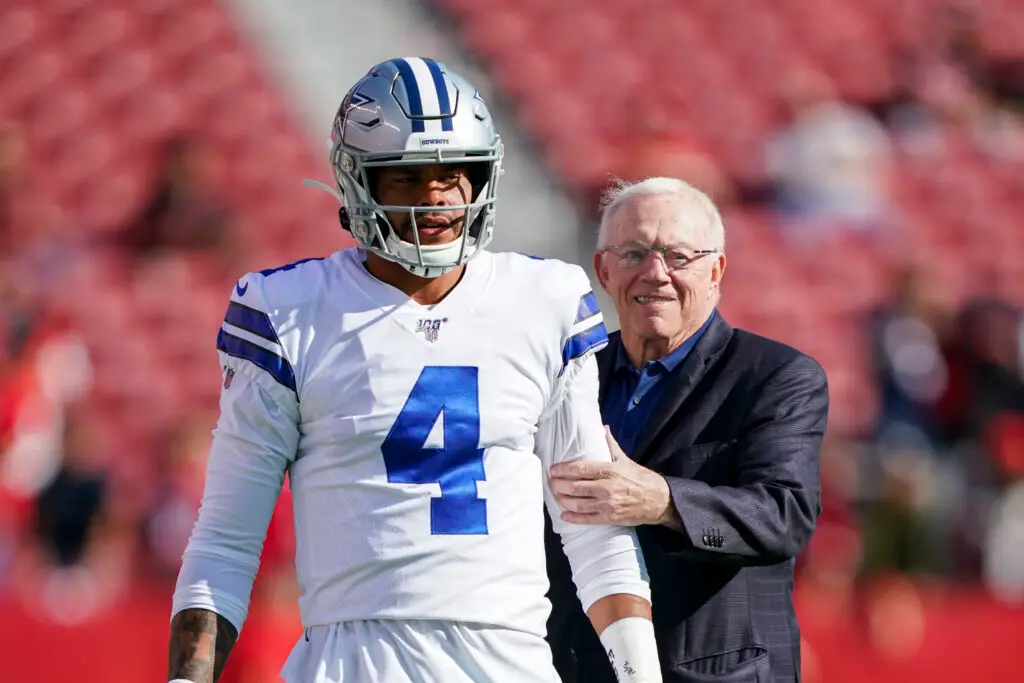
(417, 439)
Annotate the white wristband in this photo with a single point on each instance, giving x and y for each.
(632, 650)
(181, 680)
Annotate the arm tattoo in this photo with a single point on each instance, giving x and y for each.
(200, 643)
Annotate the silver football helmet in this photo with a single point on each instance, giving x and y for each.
(405, 112)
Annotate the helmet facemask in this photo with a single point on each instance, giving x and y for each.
(366, 218)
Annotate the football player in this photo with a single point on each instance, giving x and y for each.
(415, 389)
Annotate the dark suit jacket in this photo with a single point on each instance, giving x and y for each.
(737, 437)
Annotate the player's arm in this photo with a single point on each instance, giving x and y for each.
(606, 561)
(201, 641)
(254, 443)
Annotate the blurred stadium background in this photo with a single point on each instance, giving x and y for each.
(868, 156)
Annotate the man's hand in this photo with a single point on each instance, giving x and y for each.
(620, 492)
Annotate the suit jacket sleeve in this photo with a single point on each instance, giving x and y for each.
(769, 516)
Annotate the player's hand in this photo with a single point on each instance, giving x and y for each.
(619, 492)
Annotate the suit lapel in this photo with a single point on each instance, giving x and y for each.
(682, 381)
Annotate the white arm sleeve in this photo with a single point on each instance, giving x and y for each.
(254, 443)
(605, 560)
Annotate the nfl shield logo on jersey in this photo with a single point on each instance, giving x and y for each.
(229, 374)
(430, 327)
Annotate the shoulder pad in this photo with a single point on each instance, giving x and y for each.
(568, 290)
(249, 332)
(287, 285)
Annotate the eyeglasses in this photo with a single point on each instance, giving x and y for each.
(675, 257)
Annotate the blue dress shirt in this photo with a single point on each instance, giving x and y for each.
(635, 394)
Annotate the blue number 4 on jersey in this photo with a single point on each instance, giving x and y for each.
(451, 393)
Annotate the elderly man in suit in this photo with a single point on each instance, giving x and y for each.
(715, 434)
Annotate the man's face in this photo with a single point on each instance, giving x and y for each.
(662, 297)
(434, 185)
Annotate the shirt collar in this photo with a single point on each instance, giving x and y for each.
(673, 359)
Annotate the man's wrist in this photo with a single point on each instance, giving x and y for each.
(668, 516)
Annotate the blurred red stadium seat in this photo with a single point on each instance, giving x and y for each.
(188, 30)
(152, 113)
(31, 72)
(23, 27)
(499, 33)
(121, 70)
(95, 29)
(58, 113)
(213, 72)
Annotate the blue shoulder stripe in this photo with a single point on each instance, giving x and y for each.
(274, 365)
(289, 266)
(251, 320)
(588, 307)
(584, 341)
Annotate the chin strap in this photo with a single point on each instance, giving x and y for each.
(422, 271)
(325, 187)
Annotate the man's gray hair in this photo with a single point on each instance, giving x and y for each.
(692, 198)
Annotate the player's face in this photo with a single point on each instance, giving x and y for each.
(655, 301)
(435, 185)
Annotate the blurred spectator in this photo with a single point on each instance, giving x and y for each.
(177, 492)
(34, 241)
(44, 251)
(899, 530)
(830, 165)
(944, 106)
(1005, 441)
(1008, 82)
(953, 89)
(1004, 546)
(986, 358)
(910, 370)
(76, 562)
(957, 42)
(43, 368)
(19, 315)
(179, 488)
(183, 212)
(836, 543)
(69, 507)
(12, 183)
